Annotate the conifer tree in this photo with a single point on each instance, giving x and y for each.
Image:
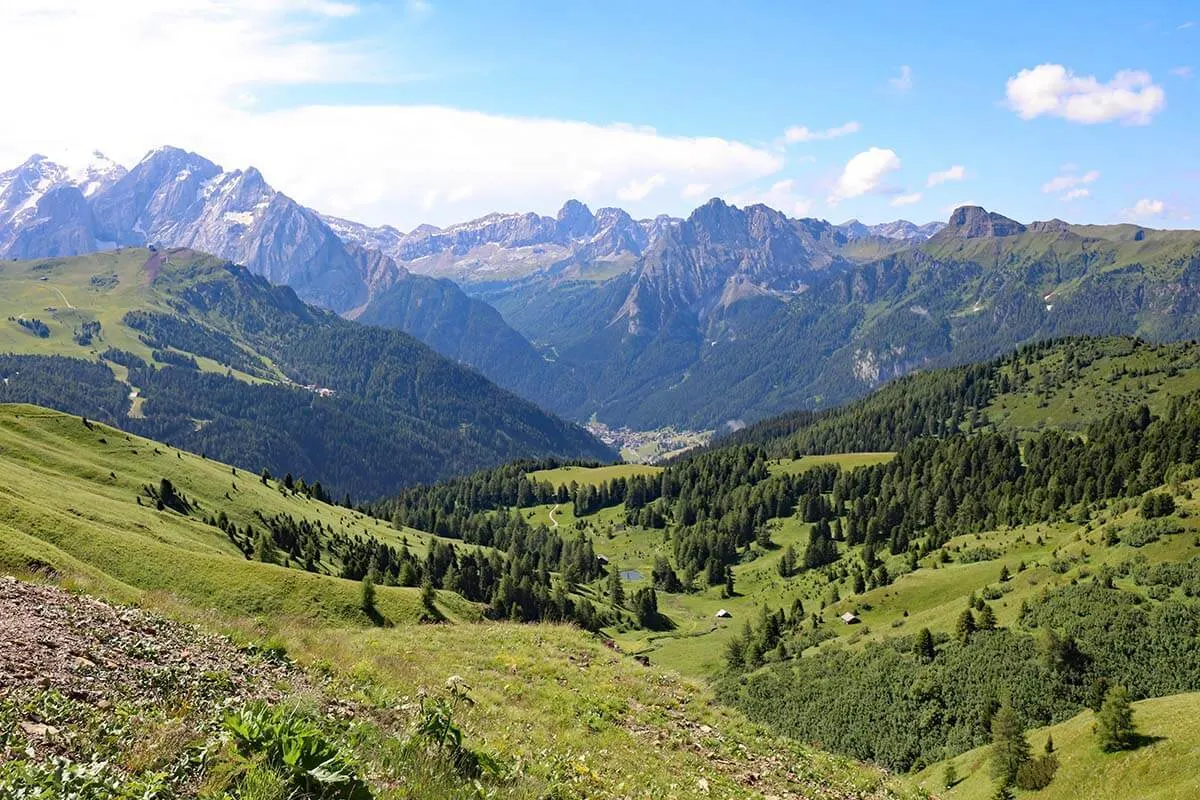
(925, 645)
(368, 593)
(1114, 724)
(1010, 749)
(965, 626)
(616, 590)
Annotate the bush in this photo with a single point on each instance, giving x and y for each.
(1037, 773)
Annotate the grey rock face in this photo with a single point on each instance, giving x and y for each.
(973, 222)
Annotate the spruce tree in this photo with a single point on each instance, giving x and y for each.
(368, 593)
(925, 645)
(1114, 724)
(965, 626)
(616, 590)
(1010, 749)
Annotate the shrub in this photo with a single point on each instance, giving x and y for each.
(1037, 773)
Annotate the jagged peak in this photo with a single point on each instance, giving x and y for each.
(573, 208)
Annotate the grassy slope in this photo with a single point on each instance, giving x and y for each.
(101, 287)
(577, 716)
(594, 476)
(1166, 769)
(61, 506)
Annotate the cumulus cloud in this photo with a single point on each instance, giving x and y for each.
(1069, 178)
(1076, 194)
(799, 133)
(694, 190)
(906, 199)
(1146, 208)
(1131, 97)
(955, 173)
(904, 81)
(383, 163)
(863, 174)
(781, 195)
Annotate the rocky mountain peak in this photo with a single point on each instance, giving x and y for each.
(975, 222)
(575, 220)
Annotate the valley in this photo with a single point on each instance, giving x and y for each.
(630, 401)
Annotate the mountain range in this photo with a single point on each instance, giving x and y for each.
(725, 316)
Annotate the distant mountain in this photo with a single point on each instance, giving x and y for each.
(900, 229)
(179, 199)
(217, 360)
(723, 317)
(738, 314)
(503, 247)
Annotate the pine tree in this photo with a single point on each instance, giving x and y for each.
(987, 618)
(616, 589)
(1114, 724)
(925, 645)
(429, 597)
(950, 776)
(1010, 749)
(368, 593)
(965, 626)
(787, 562)
(728, 591)
(264, 548)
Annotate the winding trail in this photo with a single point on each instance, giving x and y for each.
(64, 298)
(553, 521)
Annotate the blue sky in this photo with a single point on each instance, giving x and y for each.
(404, 112)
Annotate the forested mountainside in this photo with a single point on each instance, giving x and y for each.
(1018, 534)
(196, 351)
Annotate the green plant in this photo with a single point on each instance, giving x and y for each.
(63, 779)
(295, 746)
(438, 735)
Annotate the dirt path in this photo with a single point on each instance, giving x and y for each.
(64, 299)
(553, 521)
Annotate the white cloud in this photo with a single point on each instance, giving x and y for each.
(904, 81)
(1145, 208)
(637, 190)
(906, 199)
(781, 196)
(1183, 26)
(863, 174)
(1184, 72)
(799, 133)
(1076, 194)
(955, 173)
(397, 164)
(1130, 97)
(1069, 179)
(694, 190)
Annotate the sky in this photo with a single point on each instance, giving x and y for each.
(435, 111)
